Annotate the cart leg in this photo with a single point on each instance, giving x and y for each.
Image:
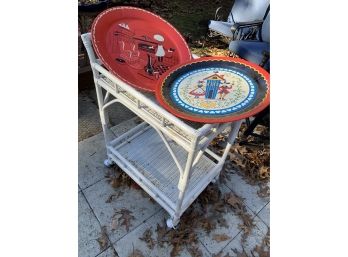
(182, 186)
(232, 136)
(104, 118)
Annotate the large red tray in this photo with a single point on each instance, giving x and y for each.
(137, 46)
(214, 90)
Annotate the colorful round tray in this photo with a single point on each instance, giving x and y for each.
(137, 46)
(214, 90)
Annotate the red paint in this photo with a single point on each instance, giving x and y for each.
(131, 43)
(262, 105)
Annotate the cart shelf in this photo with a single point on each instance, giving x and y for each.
(146, 157)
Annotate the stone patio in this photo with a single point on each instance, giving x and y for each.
(95, 211)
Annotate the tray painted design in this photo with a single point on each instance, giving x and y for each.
(137, 46)
(215, 89)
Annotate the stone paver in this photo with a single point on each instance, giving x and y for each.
(239, 186)
(131, 199)
(264, 214)
(232, 229)
(255, 238)
(88, 117)
(132, 241)
(89, 230)
(88, 114)
(92, 153)
(117, 112)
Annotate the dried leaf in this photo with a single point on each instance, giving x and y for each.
(251, 156)
(176, 250)
(114, 196)
(195, 251)
(208, 224)
(125, 218)
(110, 198)
(161, 232)
(235, 202)
(264, 191)
(147, 237)
(220, 237)
(261, 251)
(103, 239)
(264, 172)
(117, 178)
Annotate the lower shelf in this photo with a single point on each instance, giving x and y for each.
(146, 158)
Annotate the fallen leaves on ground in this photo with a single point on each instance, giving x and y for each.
(234, 201)
(249, 156)
(117, 178)
(263, 250)
(147, 238)
(114, 196)
(161, 232)
(247, 225)
(240, 254)
(183, 235)
(264, 191)
(238, 207)
(122, 218)
(195, 251)
(252, 164)
(103, 239)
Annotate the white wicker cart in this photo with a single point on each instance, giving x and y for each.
(168, 157)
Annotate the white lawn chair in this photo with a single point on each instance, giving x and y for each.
(242, 11)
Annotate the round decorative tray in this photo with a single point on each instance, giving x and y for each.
(214, 90)
(137, 46)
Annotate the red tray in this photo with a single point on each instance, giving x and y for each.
(137, 46)
(214, 90)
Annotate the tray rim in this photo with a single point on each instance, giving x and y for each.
(114, 9)
(258, 108)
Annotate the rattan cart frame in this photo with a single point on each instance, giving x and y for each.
(167, 157)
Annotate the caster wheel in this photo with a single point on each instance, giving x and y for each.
(108, 163)
(216, 179)
(170, 223)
